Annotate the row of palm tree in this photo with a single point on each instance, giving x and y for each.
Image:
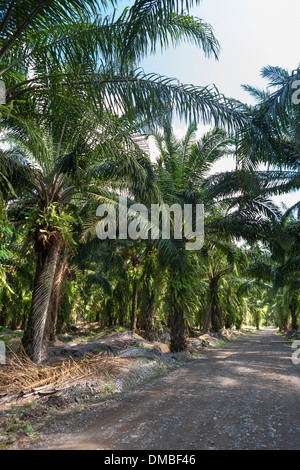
(75, 103)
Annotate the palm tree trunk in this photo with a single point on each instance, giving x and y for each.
(60, 278)
(216, 314)
(121, 315)
(178, 327)
(134, 307)
(216, 319)
(36, 337)
(4, 310)
(177, 301)
(149, 319)
(207, 319)
(3, 315)
(293, 310)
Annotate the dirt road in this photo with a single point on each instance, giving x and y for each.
(243, 396)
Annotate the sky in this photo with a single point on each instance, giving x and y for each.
(252, 35)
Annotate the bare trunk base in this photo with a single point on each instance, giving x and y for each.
(134, 307)
(149, 319)
(37, 334)
(178, 331)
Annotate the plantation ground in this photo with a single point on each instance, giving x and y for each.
(244, 395)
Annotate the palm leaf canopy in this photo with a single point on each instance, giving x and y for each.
(95, 52)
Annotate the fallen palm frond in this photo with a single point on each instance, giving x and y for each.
(22, 376)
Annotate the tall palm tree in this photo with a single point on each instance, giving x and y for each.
(182, 167)
(234, 205)
(279, 267)
(274, 139)
(82, 151)
(221, 262)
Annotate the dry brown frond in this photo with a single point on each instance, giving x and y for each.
(20, 374)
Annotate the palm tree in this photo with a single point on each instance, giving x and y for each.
(182, 167)
(221, 263)
(235, 205)
(53, 185)
(273, 140)
(66, 85)
(279, 268)
(287, 274)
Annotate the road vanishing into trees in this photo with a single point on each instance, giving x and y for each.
(242, 396)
